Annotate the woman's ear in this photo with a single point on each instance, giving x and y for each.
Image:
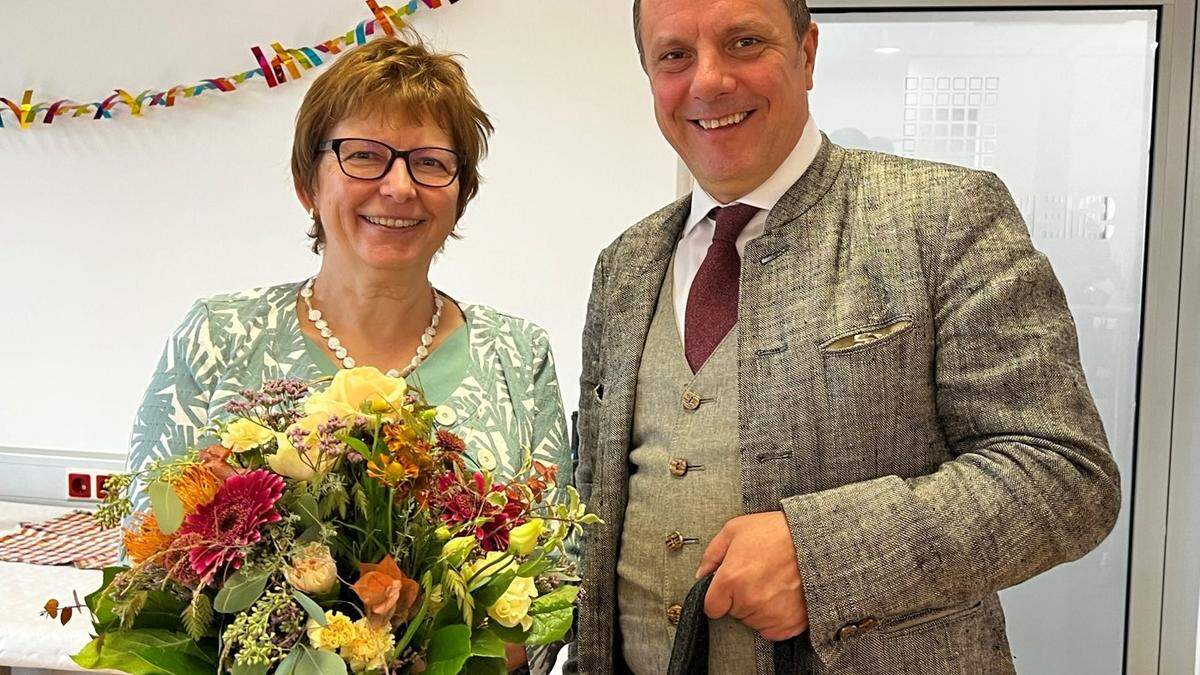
(302, 194)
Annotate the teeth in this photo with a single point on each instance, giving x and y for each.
(397, 223)
(736, 118)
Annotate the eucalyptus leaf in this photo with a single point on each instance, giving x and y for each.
(314, 610)
(241, 590)
(318, 662)
(238, 669)
(167, 507)
(306, 507)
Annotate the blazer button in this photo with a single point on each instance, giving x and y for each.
(674, 542)
(678, 467)
(691, 400)
(674, 612)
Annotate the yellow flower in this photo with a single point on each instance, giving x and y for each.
(512, 608)
(288, 461)
(357, 390)
(523, 538)
(243, 434)
(369, 646)
(312, 570)
(339, 630)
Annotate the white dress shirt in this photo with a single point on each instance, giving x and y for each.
(699, 229)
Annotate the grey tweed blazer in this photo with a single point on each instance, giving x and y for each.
(910, 396)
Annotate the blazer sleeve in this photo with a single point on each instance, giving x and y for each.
(174, 410)
(1032, 483)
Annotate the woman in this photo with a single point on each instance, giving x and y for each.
(385, 159)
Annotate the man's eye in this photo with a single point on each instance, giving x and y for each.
(672, 56)
(747, 42)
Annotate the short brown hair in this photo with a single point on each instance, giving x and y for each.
(797, 8)
(390, 76)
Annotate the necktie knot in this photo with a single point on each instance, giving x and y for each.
(731, 220)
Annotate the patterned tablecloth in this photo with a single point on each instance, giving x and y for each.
(28, 640)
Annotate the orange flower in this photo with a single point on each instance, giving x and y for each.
(388, 595)
(196, 487)
(144, 540)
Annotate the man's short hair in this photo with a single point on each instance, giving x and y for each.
(797, 8)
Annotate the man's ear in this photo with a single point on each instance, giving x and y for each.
(809, 47)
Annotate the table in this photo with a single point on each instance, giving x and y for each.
(31, 644)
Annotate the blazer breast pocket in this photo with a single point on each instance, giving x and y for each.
(877, 386)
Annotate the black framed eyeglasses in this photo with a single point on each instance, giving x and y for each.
(366, 159)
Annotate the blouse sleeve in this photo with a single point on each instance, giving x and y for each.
(174, 411)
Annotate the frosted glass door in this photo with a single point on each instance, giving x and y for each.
(1058, 104)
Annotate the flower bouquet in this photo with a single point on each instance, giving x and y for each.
(332, 530)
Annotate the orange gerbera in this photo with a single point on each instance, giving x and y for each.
(144, 540)
(196, 487)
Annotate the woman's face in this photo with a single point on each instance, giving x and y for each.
(389, 223)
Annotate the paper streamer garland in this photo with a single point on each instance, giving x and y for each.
(277, 67)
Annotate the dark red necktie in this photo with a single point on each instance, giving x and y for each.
(712, 304)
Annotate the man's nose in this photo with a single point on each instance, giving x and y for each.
(712, 78)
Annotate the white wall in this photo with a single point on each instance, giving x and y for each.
(111, 228)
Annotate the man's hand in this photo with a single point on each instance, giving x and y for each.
(757, 580)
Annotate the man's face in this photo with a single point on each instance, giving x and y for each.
(730, 84)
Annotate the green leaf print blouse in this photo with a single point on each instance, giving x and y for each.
(493, 379)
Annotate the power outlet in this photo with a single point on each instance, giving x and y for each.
(101, 485)
(82, 484)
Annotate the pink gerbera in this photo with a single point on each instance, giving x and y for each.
(223, 528)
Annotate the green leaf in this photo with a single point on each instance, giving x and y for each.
(159, 609)
(359, 446)
(513, 636)
(306, 507)
(166, 506)
(313, 533)
(491, 591)
(314, 610)
(288, 665)
(241, 590)
(477, 665)
(238, 669)
(486, 643)
(426, 584)
(318, 662)
(534, 557)
(449, 649)
(562, 597)
(550, 627)
(146, 652)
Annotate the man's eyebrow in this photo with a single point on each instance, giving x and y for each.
(748, 26)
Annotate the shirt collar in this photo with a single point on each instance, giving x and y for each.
(767, 195)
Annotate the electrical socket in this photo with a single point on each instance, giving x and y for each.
(85, 484)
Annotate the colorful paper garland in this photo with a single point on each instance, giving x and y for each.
(286, 64)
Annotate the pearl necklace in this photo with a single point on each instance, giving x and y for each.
(339, 349)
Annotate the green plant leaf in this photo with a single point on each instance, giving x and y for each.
(146, 652)
(241, 590)
(487, 644)
(168, 510)
(513, 636)
(531, 563)
(562, 597)
(449, 649)
(288, 665)
(550, 627)
(306, 507)
(491, 591)
(159, 610)
(477, 665)
(318, 662)
(314, 610)
(238, 669)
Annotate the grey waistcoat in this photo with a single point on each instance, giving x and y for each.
(683, 487)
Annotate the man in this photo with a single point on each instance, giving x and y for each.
(844, 381)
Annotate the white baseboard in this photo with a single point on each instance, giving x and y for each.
(39, 476)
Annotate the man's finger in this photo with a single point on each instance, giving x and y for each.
(714, 553)
(718, 600)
